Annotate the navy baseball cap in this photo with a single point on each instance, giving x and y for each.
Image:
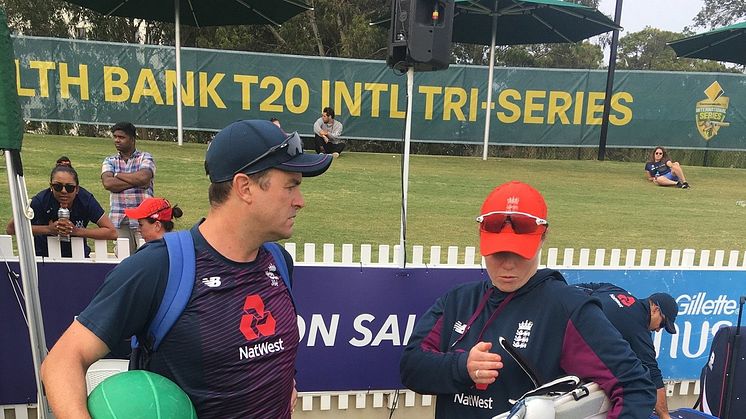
(668, 307)
(251, 146)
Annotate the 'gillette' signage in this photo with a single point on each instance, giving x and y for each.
(691, 304)
(695, 335)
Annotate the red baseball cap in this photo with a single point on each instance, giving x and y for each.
(155, 208)
(513, 196)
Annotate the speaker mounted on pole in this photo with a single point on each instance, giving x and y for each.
(420, 34)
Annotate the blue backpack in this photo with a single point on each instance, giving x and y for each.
(181, 271)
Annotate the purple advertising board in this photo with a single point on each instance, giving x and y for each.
(355, 322)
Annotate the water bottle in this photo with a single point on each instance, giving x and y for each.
(64, 214)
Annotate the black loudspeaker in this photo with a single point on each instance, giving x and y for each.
(420, 34)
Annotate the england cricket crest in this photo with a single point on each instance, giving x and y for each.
(711, 112)
(522, 334)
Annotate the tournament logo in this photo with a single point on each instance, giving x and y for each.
(271, 273)
(710, 113)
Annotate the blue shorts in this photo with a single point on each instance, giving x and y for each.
(670, 176)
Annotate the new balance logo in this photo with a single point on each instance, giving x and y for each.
(212, 282)
(459, 327)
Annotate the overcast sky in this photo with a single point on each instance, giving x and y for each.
(669, 15)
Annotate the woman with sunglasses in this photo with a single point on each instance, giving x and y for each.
(663, 172)
(154, 217)
(65, 192)
(459, 349)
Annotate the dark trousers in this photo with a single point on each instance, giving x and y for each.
(327, 148)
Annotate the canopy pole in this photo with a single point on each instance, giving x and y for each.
(609, 83)
(29, 276)
(177, 25)
(405, 169)
(488, 114)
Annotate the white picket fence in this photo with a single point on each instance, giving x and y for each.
(450, 256)
(454, 257)
(438, 257)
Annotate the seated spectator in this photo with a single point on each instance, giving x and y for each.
(154, 217)
(65, 192)
(328, 134)
(664, 172)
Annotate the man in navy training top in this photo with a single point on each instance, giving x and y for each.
(233, 348)
(558, 329)
(635, 318)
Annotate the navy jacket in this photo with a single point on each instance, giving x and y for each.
(631, 317)
(557, 328)
(83, 210)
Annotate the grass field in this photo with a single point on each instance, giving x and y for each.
(592, 204)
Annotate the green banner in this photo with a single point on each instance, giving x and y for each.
(11, 124)
(96, 82)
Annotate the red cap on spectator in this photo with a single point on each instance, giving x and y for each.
(155, 208)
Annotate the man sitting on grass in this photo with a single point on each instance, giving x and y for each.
(328, 132)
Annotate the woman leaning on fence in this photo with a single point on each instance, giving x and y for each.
(65, 192)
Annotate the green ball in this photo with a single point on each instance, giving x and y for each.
(139, 394)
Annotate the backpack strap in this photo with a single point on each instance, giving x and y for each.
(181, 270)
(282, 266)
